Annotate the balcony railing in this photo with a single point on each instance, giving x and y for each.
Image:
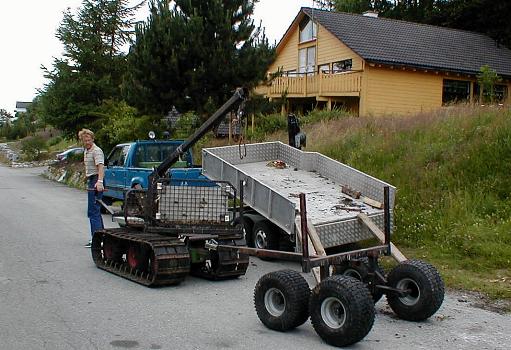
(322, 84)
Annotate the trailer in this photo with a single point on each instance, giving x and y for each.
(273, 174)
(325, 208)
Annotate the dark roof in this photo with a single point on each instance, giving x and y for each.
(20, 104)
(389, 41)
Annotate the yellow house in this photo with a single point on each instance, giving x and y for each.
(376, 66)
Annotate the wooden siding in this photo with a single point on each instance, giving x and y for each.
(330, 49)
(288, 56)
(399, 92)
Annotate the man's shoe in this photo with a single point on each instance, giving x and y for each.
(88, 245)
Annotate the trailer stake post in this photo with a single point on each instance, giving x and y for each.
(386, 216)
(242, 199)
(305, 234)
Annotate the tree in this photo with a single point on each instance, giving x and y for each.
(93, 64)
(484, 16)
(5, 117)
(124, 123)
(192, 54)
(324, 4)
(487, 78)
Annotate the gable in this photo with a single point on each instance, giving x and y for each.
(329, 49)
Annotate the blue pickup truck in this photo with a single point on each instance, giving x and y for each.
(129, 165)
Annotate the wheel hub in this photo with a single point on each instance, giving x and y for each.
(353, 273)
(261, 241)
(275, 302)
(333, 312)
(413, 293)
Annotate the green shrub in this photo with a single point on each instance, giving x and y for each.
(185, 125)
(120, 123)
(268, 124)
(54, 141)
(32, 147)
(318, 115)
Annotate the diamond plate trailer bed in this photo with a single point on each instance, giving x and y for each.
(273, 191)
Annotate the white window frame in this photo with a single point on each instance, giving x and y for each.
(308, 31)
(307, 60)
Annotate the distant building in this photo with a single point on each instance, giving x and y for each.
(21, 107)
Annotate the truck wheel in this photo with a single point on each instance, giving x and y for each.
(247, 231)
(425, 290)
(281, 300)
(359, 269)
(137, 257)
(265, 236)
(342, 310)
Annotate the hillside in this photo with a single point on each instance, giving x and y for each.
(452, 172)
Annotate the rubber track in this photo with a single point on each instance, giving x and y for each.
(171, 258)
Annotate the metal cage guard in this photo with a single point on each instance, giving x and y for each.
(240, 95)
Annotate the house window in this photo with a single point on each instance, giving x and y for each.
(308, 30)
(307, 60)
(342, 66)
(455, 91)
(499, 93)
(324, 68)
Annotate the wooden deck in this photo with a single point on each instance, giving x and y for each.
(317, 85)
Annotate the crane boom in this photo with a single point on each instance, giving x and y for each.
(239, 95)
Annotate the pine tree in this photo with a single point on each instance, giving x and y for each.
(92, 65)
(193, 54)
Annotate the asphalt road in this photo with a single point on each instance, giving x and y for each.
(53, 297)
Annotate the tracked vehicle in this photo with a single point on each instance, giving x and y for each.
(169, 230)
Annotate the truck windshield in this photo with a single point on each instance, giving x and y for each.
(150, 155)
(118, 156)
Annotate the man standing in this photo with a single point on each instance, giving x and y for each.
(94, 160)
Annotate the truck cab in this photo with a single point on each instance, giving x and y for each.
(129, 164)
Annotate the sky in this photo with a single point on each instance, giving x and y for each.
(27, 39)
